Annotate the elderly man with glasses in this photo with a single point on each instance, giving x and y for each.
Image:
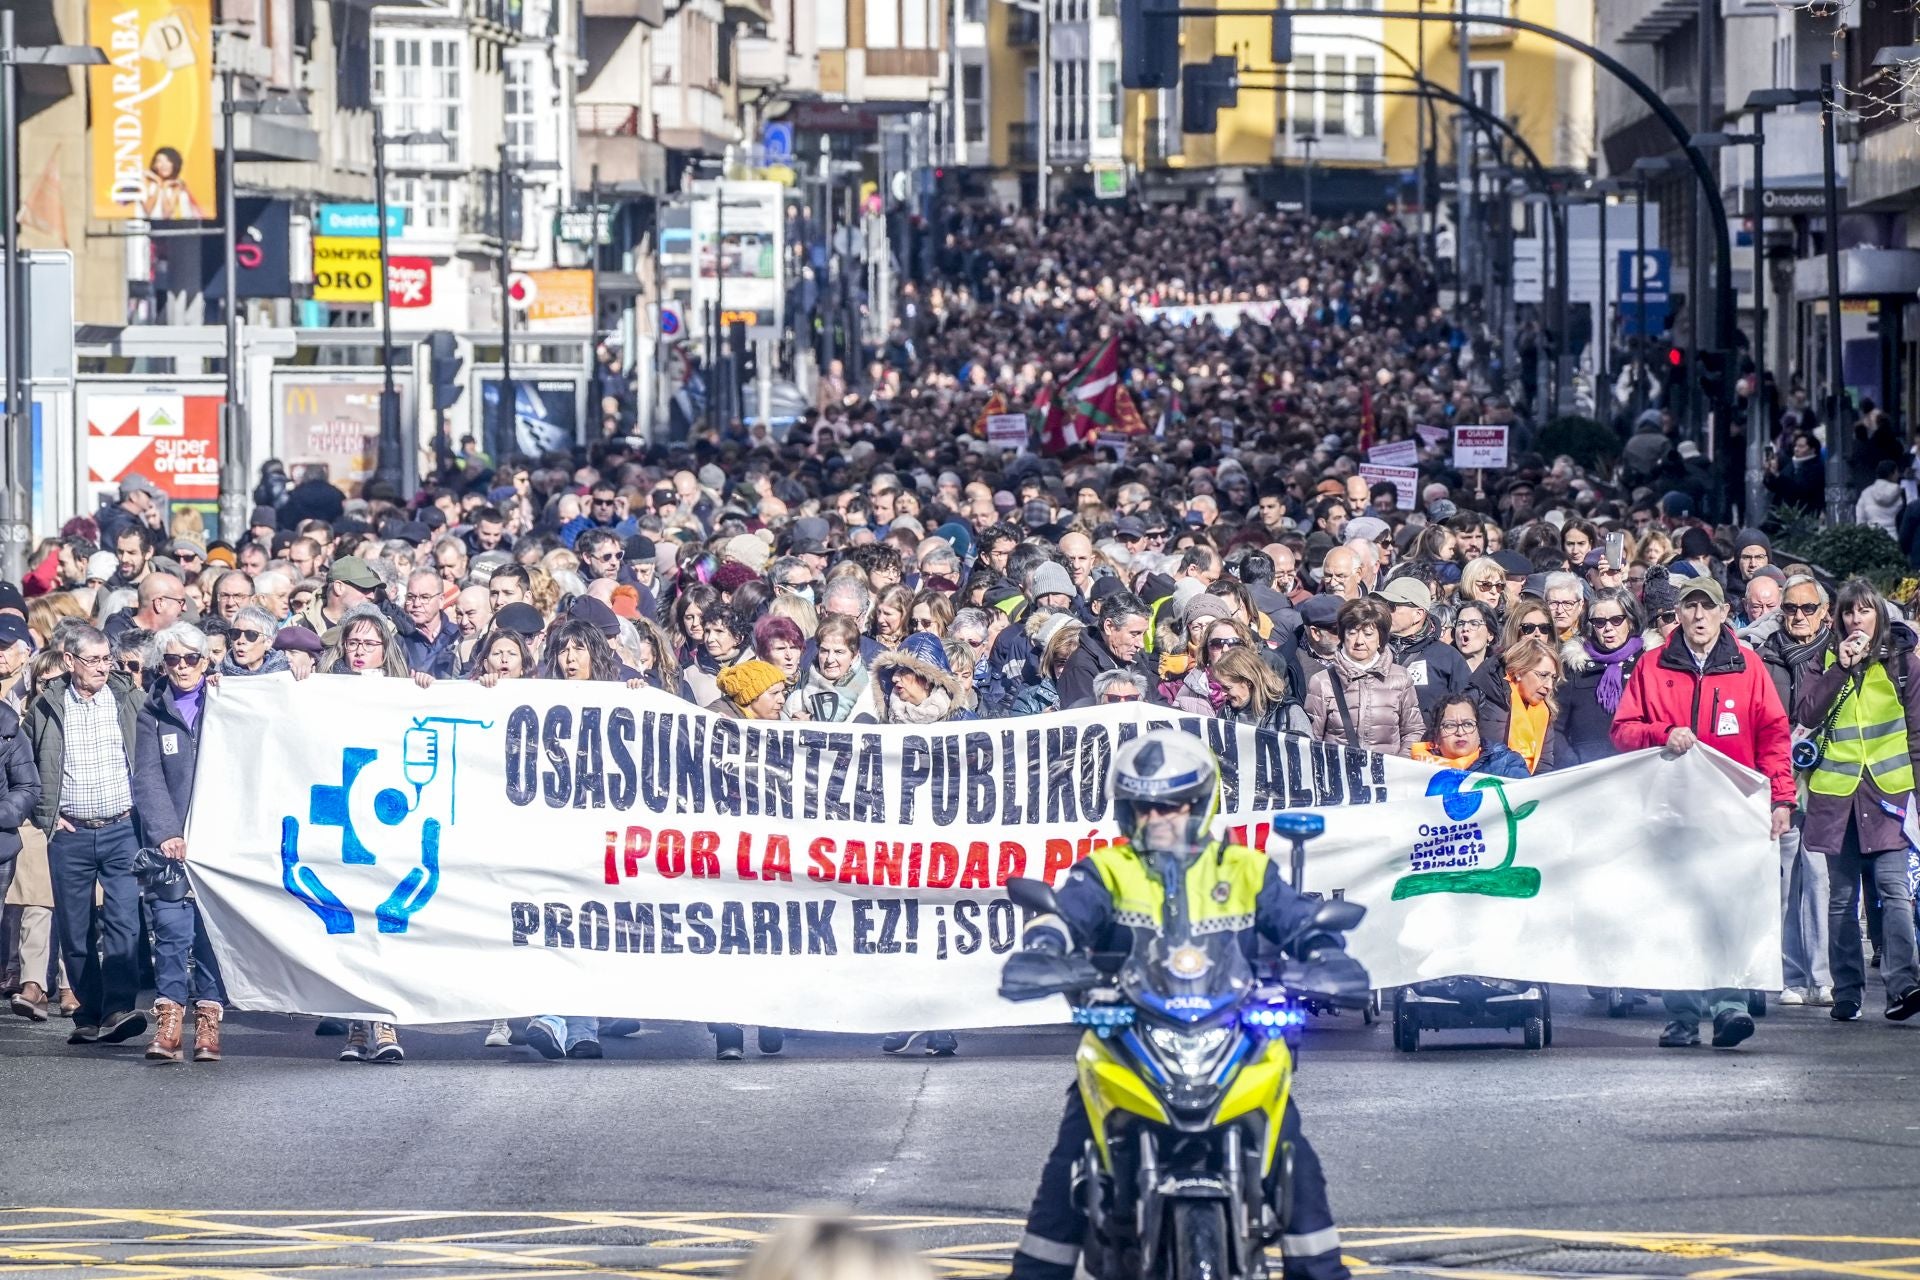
(1791, 654)
(428, 636)
(167, 748)
(82, 725)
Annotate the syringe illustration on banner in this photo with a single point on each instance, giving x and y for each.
(422, 751)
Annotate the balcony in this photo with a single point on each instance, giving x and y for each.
(609, 140)
(651, 12)
(761, 61)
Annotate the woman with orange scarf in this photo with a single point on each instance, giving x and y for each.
(1527, 718)
(1453, 742)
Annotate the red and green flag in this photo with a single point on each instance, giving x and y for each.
(1084, 403)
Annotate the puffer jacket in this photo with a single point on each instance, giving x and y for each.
(1381, 700)
(1879, 505)
(19, 783)
(1196, 692)
(1732, 692)
(1586, 727)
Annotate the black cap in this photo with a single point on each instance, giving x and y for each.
(639, 547)
(264, 515)
(596, 614)
(1107, 585)
(1320, 611)
(1515, 564)
(10, 598)
(520, 618)
(13, 630)
(1156, 587)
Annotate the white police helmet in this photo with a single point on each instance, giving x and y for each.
(1162, 769)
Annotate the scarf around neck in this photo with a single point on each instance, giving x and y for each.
(1613, 682)
(931, 711)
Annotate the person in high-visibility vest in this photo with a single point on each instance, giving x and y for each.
(1862, 703)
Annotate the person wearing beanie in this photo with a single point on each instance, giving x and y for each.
(751, 690)
(1752, 552)
(917, 683)
(1050, 586)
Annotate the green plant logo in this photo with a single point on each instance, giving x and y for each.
(1466, 839)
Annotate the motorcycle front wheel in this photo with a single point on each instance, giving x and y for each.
(1199, 1250)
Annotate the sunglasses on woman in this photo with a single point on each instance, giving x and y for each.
(1536, 628)
(1225, 642)
(1608, 621)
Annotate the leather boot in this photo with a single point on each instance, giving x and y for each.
(165, 1045)
(206, 1031)
(69, 1002)
(30, 1002)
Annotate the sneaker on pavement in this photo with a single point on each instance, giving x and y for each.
(1904, 1007)
(1680, 1035)
(900, 1041)
(772, 1039)
(386, 1044)
(587, 1049)
(1845, 1011)
(1821, 996)
(1792, 995)
(942, 1044)
(357, 1048)
(729, 1042)
(1730, 1027)
(124, 1025)
(548, 1036)
(499, 1035)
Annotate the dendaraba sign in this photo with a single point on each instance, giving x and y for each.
(461, 853)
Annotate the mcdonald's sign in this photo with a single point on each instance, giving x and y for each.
(331, 421)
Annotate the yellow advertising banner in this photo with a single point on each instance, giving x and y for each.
(153, 109)
(561, 301)
(346, 269)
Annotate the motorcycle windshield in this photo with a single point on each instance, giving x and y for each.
(1185, 972)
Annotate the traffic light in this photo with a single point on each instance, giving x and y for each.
(1149, 43)
(443, 367)
(1282, 39)
(1205, 88)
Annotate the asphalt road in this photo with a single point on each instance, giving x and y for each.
(1602, 1154)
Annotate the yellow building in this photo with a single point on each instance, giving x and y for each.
(1341, 100)
(1344, 99)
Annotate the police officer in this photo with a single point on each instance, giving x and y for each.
(1166, 793)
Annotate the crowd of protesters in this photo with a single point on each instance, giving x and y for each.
(886, 563)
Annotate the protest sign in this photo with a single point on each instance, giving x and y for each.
(1405, 482)
(1432, 437)
(1395, 453)
(1479, 448)
(1008, 430)
(462, 853)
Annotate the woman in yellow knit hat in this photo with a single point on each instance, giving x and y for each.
(752, 690)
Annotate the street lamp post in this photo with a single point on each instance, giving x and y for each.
(1759, 421)
(508, 185)
(1838, 504)
(16, 449)
(234, 437)
(393, 458)
(1644, 169)
(1307, 142)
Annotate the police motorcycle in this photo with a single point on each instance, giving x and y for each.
(1185, 1069)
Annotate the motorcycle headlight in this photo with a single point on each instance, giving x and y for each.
(1191, 1053)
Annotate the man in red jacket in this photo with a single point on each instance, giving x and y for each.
(1704, 688)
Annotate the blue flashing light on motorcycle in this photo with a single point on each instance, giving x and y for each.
(1274, 1017)
(1103, 1019)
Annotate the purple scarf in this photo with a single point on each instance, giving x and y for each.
(1614, 682)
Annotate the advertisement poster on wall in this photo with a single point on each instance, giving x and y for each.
(329, 420)
(167, 432)
(546, 415)
(153, 110)
(738, 229)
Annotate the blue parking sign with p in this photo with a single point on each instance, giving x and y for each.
(1652, 270)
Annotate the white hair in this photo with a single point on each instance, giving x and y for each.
(184, 634)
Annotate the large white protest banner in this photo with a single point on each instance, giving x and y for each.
(368, 848)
